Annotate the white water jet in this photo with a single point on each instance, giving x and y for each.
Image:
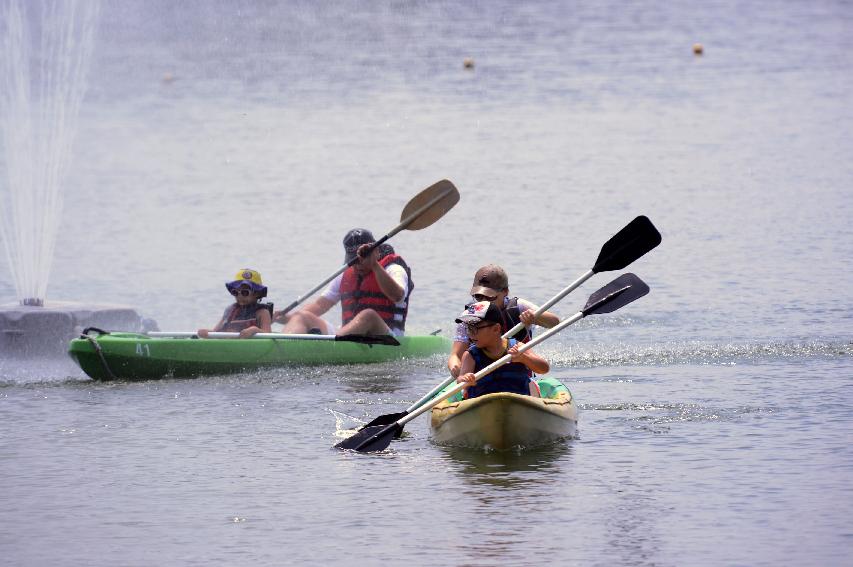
(45, 50)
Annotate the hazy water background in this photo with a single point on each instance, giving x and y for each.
(715, 424)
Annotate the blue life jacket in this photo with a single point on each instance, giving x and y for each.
(513, 377)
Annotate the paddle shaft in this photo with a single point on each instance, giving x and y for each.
(573, 286)
(428, 396)
(403, 224)
(431, 393)
(615, 295)
(632, 242)
(229, 335)
(493, 366)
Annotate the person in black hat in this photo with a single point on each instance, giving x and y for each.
(482, 322)
(492, 284)
(353, 240)
(373, 291)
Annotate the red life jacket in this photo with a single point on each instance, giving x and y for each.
(360, 292)
(238, 318)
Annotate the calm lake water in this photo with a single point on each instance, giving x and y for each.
(715, 425)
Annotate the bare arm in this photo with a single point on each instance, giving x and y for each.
(319, 306)
(454, 362)
(218, 327)
(546, 319)
(530, 359)
(466, 371)
(388, 285)
(264, 320)
(392, 290)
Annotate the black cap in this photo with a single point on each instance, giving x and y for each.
(355, 238)
(479, 312)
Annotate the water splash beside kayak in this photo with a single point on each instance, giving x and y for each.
(694, 352)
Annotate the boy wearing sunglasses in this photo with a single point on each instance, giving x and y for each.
(247, 315)
(482, 321)
(492, 284)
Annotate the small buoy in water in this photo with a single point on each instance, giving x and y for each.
(698, 49)
(468, 63)
(168, 78)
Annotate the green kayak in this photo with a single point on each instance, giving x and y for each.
(132, 356)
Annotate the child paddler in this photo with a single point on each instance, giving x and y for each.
(374, 293)
(247, 315)
(492, 284)
(482, 321)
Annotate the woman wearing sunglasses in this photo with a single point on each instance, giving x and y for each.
(492, 284)
(247, 315)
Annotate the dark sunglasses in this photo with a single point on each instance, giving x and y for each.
(481, 297)
(475, 328)
(244, 292)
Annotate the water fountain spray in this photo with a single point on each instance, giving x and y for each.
(45, 50)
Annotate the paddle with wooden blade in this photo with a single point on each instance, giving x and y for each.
(618, 293)
(420, 212)
(631, 243)
(363, 339)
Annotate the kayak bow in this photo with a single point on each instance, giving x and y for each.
(504, 420)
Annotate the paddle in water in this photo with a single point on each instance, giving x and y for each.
(615, 295)
(629, 244)
(420, 212)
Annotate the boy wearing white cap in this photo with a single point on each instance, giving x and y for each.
(482, 321)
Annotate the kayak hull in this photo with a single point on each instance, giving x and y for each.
(131, 356)
(503, 421)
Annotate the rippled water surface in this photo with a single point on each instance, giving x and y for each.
(714, 425)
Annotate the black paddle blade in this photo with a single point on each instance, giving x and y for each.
(618, 293)
(443, 196)
(386, 419)
(371, 439)
(632, 242)
(369, 339)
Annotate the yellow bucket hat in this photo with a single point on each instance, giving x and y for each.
(247, 276)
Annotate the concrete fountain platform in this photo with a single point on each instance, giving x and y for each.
(35, 332)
